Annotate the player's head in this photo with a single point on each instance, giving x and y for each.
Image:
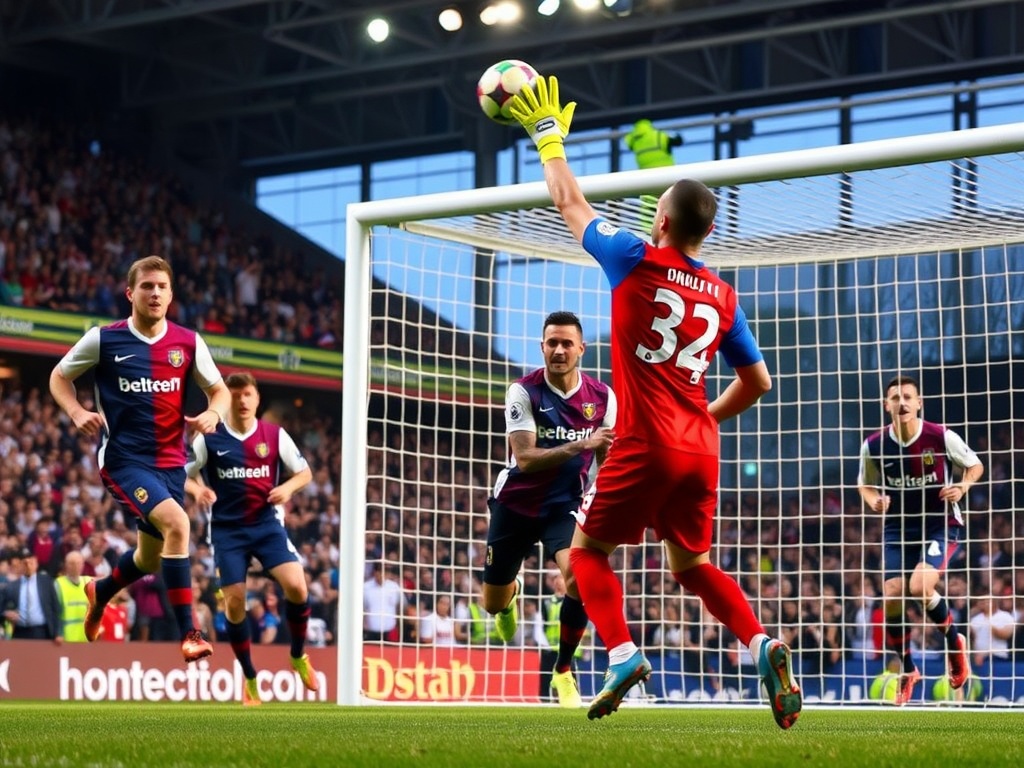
(562, 343)
(150, 288)
(685, 215)
(902, 399)
(245, 395)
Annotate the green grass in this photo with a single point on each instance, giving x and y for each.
(292, 735)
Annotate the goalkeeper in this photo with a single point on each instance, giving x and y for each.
(670, 314)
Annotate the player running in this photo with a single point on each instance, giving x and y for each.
(559, 421)
(906, 474)
(244, 459)
(670, 315)
(141, 367)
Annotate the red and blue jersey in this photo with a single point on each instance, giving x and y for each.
(557, 418)
(670, 314)
(140, 389)
(243, 468)
(911, 474)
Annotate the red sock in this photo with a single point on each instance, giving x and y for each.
(601, 593)
(723, 597)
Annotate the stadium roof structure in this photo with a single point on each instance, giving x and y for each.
(245, 88)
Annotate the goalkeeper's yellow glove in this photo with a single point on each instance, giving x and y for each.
(544, 119)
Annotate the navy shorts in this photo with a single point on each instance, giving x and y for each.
(140, 489)
(234, 546)
(511, 538)
(936, 548)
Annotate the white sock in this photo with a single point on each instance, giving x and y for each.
(621, 653)
(755, 645)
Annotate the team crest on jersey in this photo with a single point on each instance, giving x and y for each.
(262, 450)
(176, 357)
(590, 410)
(141, 495)
(928, 458)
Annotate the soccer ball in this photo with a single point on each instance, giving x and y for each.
(972, 690)
(499, 84)
(884, 687)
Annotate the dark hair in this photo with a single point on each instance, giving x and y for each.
(240, 380)
(899, 381)
(563, 318)
(691, 209)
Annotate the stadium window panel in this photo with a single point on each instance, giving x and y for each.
(281, 205)
(588, 157)
(998, 106)
(447, 172)
(905, 117)
(329, 235)
(312, 203)
(781, 133)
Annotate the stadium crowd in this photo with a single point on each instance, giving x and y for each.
(53, 502)
(810, 563)
(72, 219)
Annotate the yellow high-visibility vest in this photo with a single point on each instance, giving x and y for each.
(73, 607)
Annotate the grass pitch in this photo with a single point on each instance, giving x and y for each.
(293, 735)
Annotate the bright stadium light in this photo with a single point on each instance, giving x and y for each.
(586, 5)
(548, 7)
(501, 12)
(450, 19)
(619, 7)
(378, 30)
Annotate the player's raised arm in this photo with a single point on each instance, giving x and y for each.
(547, 123)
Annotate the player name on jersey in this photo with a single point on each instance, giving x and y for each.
(689, 280)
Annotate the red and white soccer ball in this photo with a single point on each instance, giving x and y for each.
(499, 84)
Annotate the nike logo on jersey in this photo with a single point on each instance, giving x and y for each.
(222, 453)
(545, 410)
(121, 358)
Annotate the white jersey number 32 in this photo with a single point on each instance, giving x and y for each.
(694, 356)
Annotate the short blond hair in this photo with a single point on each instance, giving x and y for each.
(149, 264)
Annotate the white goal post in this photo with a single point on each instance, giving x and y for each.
(853, 263)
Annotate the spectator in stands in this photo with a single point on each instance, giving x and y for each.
(44, 547)
(71, 599)
(152, 617)
(29, 601)
(383, 605)
(118, 616)
(992, 629)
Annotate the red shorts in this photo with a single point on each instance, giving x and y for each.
(642, 486)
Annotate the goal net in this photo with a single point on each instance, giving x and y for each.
(854, 264)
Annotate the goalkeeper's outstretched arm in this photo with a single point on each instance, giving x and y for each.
(547, 123)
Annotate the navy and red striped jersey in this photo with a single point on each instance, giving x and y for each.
(911, 474)
(243, 468)
(140, 389)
